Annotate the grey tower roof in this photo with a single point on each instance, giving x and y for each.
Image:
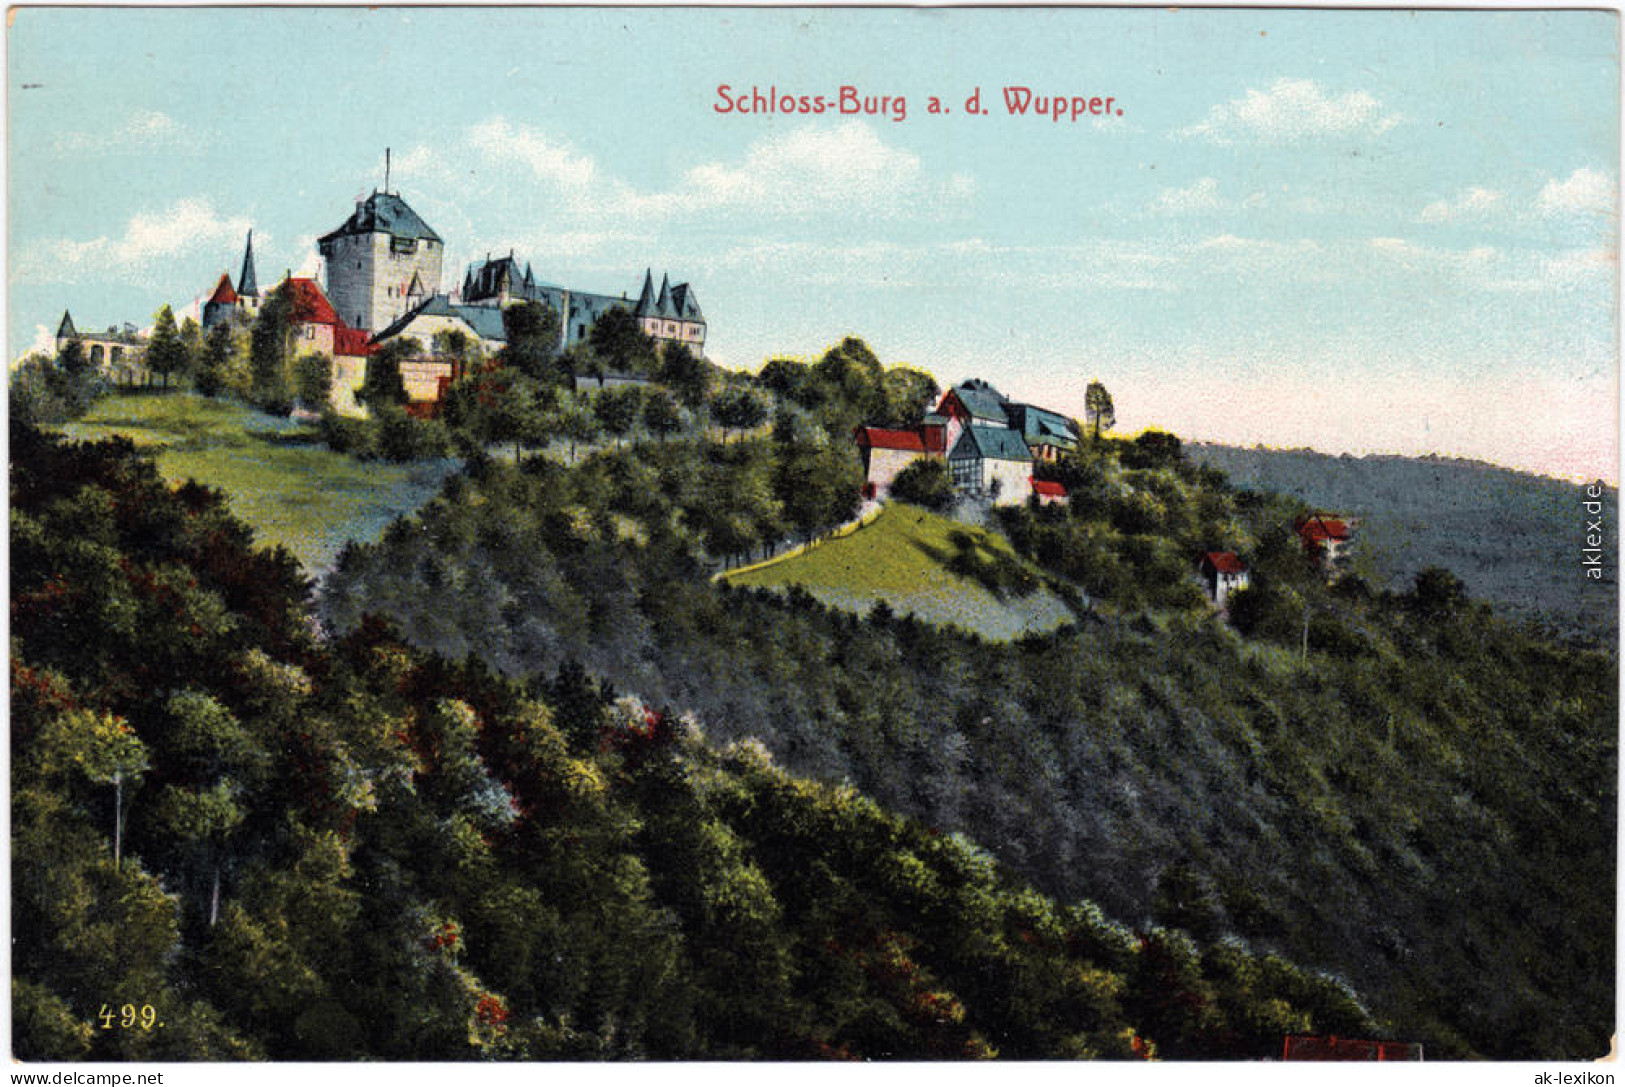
(66, 329)
(384, 213)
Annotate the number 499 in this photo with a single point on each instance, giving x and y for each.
(127, 1016)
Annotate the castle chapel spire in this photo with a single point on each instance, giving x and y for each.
(245, 281)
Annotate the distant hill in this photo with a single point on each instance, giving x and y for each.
(921, 564)
(1514, 538)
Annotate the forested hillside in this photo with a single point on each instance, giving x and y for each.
(1515, 539)
(1418, 795)
(271, 846)
(527, 783)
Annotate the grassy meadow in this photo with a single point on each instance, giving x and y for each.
(278, 477)
(919, 563)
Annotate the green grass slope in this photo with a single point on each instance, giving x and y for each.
(919, 563)
(292, 490)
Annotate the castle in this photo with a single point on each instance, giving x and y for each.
(383, 266)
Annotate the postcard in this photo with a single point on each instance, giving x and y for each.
(605, 535)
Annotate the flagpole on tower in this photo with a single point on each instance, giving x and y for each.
(386, 171)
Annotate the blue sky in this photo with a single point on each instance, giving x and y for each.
(1358, 231)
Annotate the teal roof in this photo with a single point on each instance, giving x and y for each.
(990, 443)
(1041, 427)
(982, 400)
(384, 213)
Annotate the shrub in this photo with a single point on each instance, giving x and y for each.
(925, 482)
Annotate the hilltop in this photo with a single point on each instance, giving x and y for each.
(1512, 537)
(277, 475)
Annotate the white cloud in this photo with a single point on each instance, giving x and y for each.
(149, 239)
(143, 130)
(1201, 196)
(1585, 191)
(1471, 204)
(807, 170)
(1561, 272)
(1292, 110)
(549, 160)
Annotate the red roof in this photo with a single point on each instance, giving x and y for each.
(880, 438)
(1225, 562)
(310, 305)
(223, 294)
(1322, 528)
(1048, 488)
(350, 341)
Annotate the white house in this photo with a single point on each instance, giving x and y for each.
(1223, 574)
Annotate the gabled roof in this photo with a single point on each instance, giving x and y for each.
(990, 443)
(309, 306)
(66, 329)
(1318, 527)
(484, 321)
(980, 399)
(1225, 562)
(1041, 426)
(223, 294)
(385, 213)
(873, 437)
(1048, 488)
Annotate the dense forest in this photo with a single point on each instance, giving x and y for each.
(525, 781)
(278, 846)
(1381, 784)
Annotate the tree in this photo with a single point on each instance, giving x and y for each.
(313, 379)
(910, 394)
(166, 354)
(687, 376)
(618, 343)
(661, 415)
(220, 366)
(1097, 409)
(382, 384)
(740, 407)
(192, 341)
(532, 331)
(1437, 593)
(617, 410)
(497, 406)
(925, 482)
(573, 419)
(270, 386)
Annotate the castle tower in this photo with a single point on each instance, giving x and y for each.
(381, 259)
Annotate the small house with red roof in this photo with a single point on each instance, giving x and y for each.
(885, 453)
(1222, 574)
(1325, 538)
(1049, 493)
